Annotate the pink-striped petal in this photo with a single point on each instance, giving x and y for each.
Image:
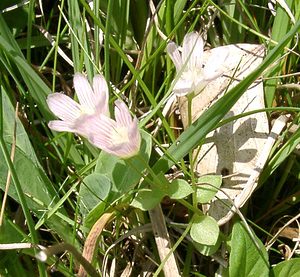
(135, 135)
(122, 113)
(85, 93)
(61, 126)
(175, 56)
(183, 87)
(115, 138)
(63, 106)
(101, 94)
(192, 50)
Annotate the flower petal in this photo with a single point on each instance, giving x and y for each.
(215, 66)
(182, 87)
(61, 126)
(84, 92)
(101, 131)
(103, 136)
(135, 136)
(192, 50)
(174, 54)
(101, 94)
(63, 106)
(200, 85)
(122, 114)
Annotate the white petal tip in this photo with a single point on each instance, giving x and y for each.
(41, 256)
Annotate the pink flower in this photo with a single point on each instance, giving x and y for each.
(120, 137)
(73, 116)
(192, 74)
(90, 118)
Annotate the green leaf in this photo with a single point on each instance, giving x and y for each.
(125, 174)
(35, 185)
(179, 189)
(248, 256)
(290, 268)
(10, 232)
(93, 191)
(208, 187)
(38, 190)
(94, 215)
(147, 199)
(22, 139)
(15, 18)
(208, 250)
(10, 262)
(280, 27)
(281, 154)
(205, 230)
(37, 88)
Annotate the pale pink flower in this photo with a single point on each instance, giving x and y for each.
(120, 137)
(192, 74)
(93, 101)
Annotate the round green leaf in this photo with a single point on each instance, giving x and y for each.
(207, 250)
(147, 199)
(208, 187)
(205, 230)
(179, 189)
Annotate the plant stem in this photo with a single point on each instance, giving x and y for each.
(163, 243)
(162, 238)
(62, 247)
(194, 195)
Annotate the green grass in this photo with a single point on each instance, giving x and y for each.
(51, 200)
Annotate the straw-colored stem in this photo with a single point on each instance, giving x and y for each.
(163, 242)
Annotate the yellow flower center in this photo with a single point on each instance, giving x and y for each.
(119, 136)
(193, 75)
